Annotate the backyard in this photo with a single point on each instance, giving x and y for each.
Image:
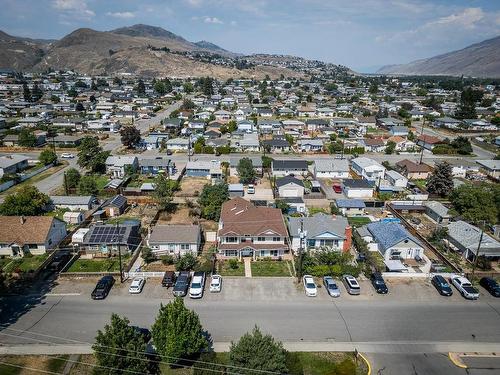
(267, 267)
(358, 221)
(24, 264)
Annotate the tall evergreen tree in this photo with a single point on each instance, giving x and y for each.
(26, 92)
(440, 182)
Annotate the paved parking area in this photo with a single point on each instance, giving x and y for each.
(277, 289)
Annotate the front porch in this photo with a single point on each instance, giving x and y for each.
(254, 254)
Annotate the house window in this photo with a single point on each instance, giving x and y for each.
(171, 246)
(261, 239)
(311, 243)
(184, 246)
(231, 253)
(276, 239)
(231, 239)
(274, 253)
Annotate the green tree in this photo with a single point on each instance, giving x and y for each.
(440, 182)
(26, 92)
(28, 201)
(164, 192)
(246, 171)
(373, 88)
(160, 88)
(147, 255)
(255, 352)
(91, 156)
(462, 145)
(113, 347)
(87, 186)
(467, 106)
(36, 93)
(130, 136)
(26, 138)
(188, 88)
(177, 331)
(390, 147)
(282, 205)
(72, 178)
(141, 87)
(211, 199)
(209, 365)
(186, 262)
(477, 202)
(47, 157)
(266, 162)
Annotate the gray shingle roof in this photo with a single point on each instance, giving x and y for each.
(175, 233)
(350, 203)
(319, 224)
(389, 234)
(287, 180)
(468, 235)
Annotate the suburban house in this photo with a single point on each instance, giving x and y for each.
(373, 144)
(490, 167)
(202, 168)
(413, 171)
(393, 242)
(310, 145)
(351, 207)
(437, 212)
(157, 165)
(115, 206)
(73, 203)
(321, 232)
(246, 230)
(357, 188)
(401, 131)
(63, 140)
(236, 190)
(108, 239)
(281, 168)
(178, 144)
(428, 141)
(21, 235)
(175, 239)
(276, 145)
(117, 166)
(295, 204)
(331, 168)
(12, 164)
(465, 238)
(290, 187)
(367, 168)
(396, 179)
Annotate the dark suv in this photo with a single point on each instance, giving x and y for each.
(379, 283)
(442, 285)
(182, 284)
(168, 279)
(491, 286)
(103, 287)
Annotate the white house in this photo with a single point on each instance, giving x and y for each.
(396, 179)
(331, 168)
(368, 168)
(290, 187)
(357, 188)
(174, 239)
(116, 165)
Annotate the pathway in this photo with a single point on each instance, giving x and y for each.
(248, 266)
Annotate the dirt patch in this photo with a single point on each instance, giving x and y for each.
(144, 213)
(191, 186)
(180, 216)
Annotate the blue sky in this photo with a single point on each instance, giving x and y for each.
(362, 34)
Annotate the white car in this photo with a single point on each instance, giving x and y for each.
(137, 285)
(309, 286)
(67, 155)
(251, 189)
(465, 287)
(216, 283)
(197, 285)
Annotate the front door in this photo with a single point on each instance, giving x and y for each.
(247, 252)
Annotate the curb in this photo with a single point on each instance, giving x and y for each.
(456, 360)
(367, 364)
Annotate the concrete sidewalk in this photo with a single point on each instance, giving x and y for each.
(248, 266)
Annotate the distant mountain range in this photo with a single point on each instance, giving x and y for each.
(477, 60)
(139, 49)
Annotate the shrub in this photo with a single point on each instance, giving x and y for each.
(233, 263)
(185, 263)
(167, 260)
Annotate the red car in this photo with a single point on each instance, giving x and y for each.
(337, 188)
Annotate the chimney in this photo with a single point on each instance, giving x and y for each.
(348, 239)
(23, 219)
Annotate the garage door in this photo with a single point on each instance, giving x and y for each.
(289, 193)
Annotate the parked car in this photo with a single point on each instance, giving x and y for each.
(216, 283)
(331, 286)
(379, 283)
(309, 286)
(181, 285)
(137, 285)
(168, 279)
(465, 287)
(442, 285)
(197, 285)
(251, 189)
(351, 285)
(490, 285)
(144, 332)
(103, 287)
(169, 152)
(337, 188)
(67, 155)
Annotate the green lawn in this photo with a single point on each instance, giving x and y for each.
(101, 181)
(358, 221)
(306, 363)
(225, 270)
(98, 265)
(420, 183)
(270, 268)
(24, 264)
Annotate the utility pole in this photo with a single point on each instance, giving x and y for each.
(474, 265)
(117, 237)
(422, 134)
(189, 148)
(299, 260)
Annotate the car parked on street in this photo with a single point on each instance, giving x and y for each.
(168, 279)
(442, 285)
(379, 283)
(102, 287)
(67, 155)
(137, 285)
(181, 285)
(197, 285)
(490, 285)
(216, 283)
(309, 286)
(331, 286)
(351, 285)
(465, 287)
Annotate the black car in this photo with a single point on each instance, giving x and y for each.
(442, 285)
(168, 279)
(490, 285)
(182, 284)
(144, 332)
(103, 287)
(379, 283)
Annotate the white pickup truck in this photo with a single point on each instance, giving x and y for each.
(465, 287)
